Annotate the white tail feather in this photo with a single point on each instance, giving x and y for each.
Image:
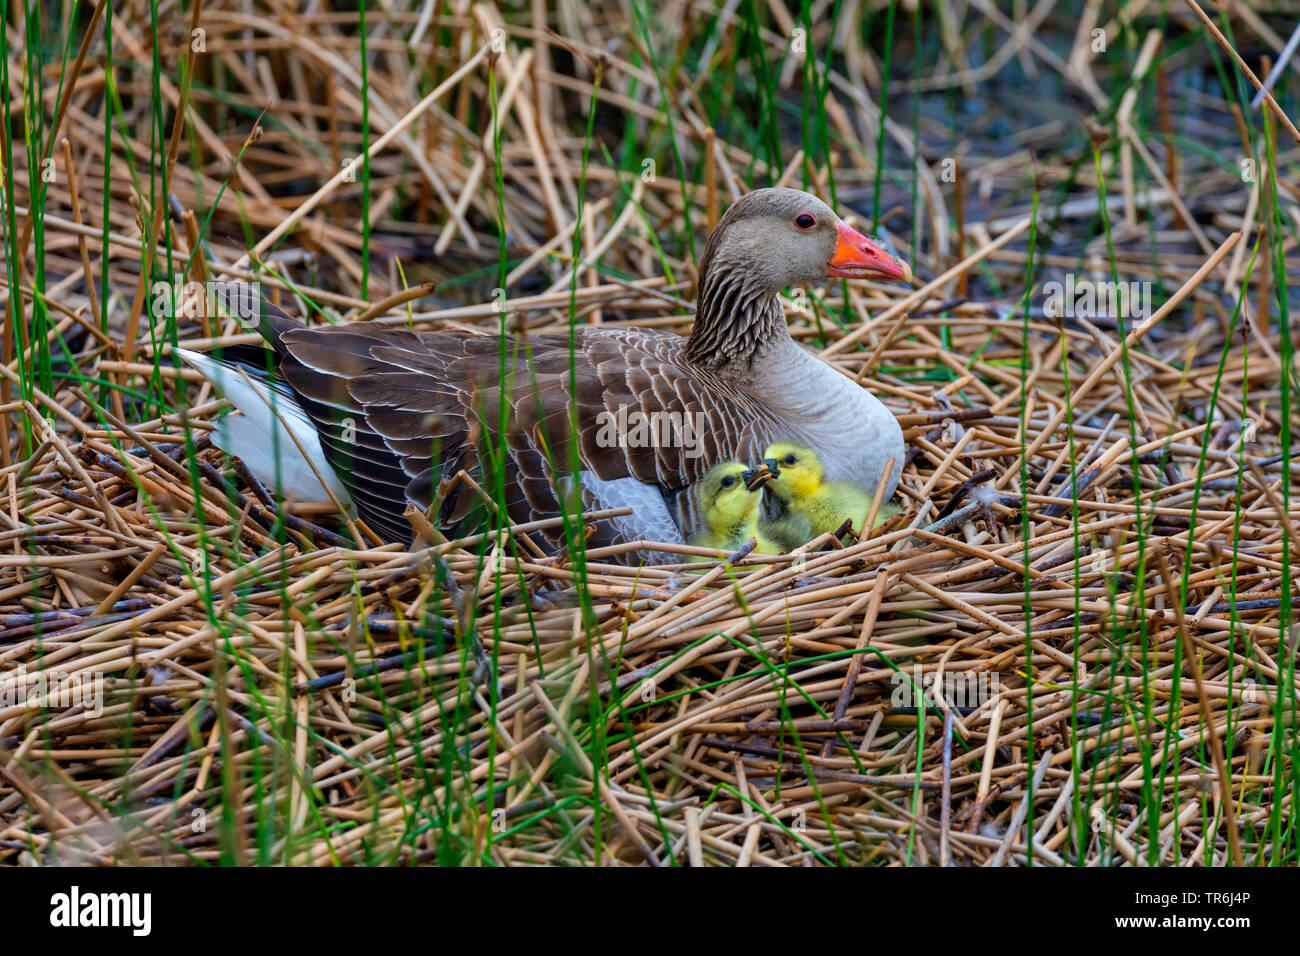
(263, 436)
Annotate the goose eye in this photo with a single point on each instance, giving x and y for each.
(805, 220)
(728, 481)
(790, 459)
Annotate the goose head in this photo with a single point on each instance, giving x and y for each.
(773, 238)
(767, 240)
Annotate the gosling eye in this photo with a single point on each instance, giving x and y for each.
(728, 481)
(805, 220)
(789, 460)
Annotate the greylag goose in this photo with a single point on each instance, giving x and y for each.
(387, 416)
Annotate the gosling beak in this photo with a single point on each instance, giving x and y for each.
(755, 477)
(857, 257)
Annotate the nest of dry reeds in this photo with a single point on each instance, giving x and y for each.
(1074, 642)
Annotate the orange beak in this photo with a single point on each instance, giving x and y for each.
(857, 257)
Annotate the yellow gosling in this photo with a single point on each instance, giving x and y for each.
(730, 510)
(800, 504)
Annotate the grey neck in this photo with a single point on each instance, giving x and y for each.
(738, 322)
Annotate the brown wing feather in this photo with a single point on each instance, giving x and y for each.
(401, 413)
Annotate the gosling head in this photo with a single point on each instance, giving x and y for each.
(794, 471)
(725, 496)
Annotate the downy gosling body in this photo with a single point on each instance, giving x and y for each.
(729, 506)
(799, 504)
